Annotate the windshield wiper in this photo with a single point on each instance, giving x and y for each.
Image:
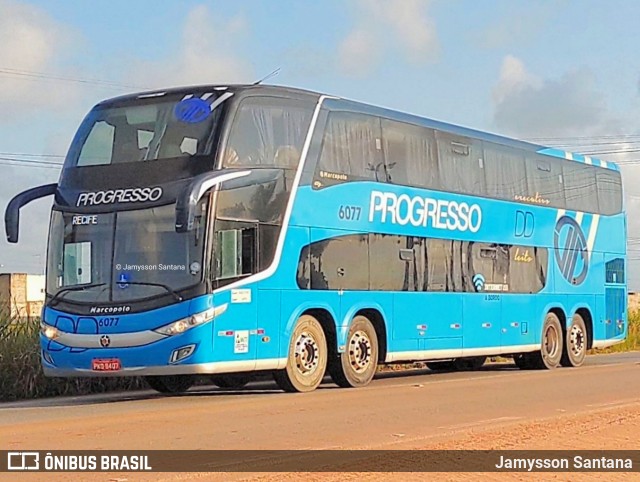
(56, 298)
(159, 285)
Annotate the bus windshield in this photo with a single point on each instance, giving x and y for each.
(123, 256)
(145, 130)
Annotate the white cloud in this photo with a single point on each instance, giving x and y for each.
(527, 106)
(403, 25)
(358, 52)
(31, 43)
(206, 55)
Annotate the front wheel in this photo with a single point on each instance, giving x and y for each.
(307, 358)
(357, 365)
(170, 384)
(575, 346)
(235, 381)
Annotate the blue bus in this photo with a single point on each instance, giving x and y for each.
(228, 230)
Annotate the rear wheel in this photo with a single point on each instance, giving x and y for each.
(234, 381)
(357, 365)
(552, 343)
(307, 358)
(575, 346)
(170, 384)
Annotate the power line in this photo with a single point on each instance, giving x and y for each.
(33, 75)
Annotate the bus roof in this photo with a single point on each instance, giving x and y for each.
(337, 103)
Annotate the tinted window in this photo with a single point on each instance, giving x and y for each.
(150, 129)
(615, 271)
(267, 132)
(527, 269)
(460, 164)
(340, 263)
(609, 191)
(351, 147)
(439, 265)
(488, 267)
(580, 188)
(410, 154)
(392, 263)
(544, 181)
(505, 172)
(404, 263)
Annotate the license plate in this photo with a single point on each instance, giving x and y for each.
(105, 365)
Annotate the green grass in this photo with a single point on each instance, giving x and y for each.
(21, 375)
(632, 343)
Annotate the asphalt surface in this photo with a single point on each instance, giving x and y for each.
(395, 407)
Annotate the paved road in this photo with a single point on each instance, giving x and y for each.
(395, 407)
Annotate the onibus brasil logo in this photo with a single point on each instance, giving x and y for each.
(572, 254)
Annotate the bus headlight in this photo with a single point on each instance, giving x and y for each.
(50, 332)
(184, 324)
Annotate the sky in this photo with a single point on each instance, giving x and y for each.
(559, 72)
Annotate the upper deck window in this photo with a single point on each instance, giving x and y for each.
(267, 132)
(351, 148)
(146, 129)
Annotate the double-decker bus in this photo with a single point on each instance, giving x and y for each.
(228, 230)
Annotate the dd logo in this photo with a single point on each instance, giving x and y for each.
(571, 250)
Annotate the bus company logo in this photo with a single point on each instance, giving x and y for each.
(423, 211)
(570, 245)
(132, 195)
(192, 110)
(109, 309)
(105, 341)
(478, 282)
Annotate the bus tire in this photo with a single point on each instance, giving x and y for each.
(357, 365)
(442, 366)
(551, 345)
(170, 384)
(232, 381)
(307, 357)
(575, 345)
(469, 363)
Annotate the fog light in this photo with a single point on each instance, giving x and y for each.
(182, 353)
(47, 357)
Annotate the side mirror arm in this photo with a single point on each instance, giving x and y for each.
(12, 213)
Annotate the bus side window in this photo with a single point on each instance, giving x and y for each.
(545, 180)
(410, 154)
(580, 188)
(609, 191)
(505, 171)
(351, 149)
(236, 252)
(460, 164)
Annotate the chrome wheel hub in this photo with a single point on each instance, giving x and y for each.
(307, 353)
(359, 351)
(576, 340)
